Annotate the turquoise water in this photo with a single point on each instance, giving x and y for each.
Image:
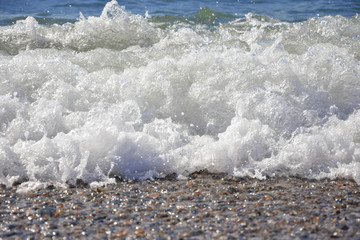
(51, 11)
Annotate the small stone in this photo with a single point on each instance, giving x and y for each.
(139, 232)
(267, 198)
(344, 227)
(336, 235)
(120, 234)
(155, 195)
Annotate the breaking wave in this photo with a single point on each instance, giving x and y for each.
(122, 95)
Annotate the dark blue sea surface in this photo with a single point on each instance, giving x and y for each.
(50, 11)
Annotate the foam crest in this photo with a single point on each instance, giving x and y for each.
(114, 29)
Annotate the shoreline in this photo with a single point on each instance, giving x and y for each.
(206, 206)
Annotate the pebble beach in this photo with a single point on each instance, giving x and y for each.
(205, 206)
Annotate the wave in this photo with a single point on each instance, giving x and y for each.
(125, 96)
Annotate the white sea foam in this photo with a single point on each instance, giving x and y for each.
(116, 96)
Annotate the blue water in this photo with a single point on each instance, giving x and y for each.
(49, 11)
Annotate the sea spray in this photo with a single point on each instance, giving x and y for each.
(125, 96)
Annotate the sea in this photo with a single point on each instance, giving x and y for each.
(95, 91)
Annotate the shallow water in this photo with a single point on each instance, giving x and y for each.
(135, 96)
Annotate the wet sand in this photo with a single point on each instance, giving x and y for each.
(207, 206)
